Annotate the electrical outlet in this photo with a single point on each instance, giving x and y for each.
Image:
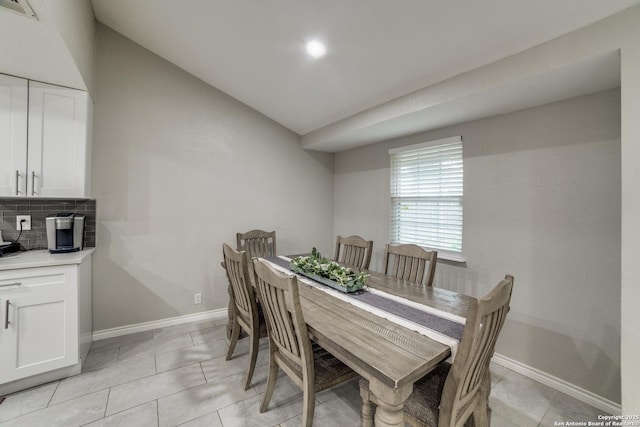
(26, 225)
(197, 298)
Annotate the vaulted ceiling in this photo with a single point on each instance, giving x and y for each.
(377, 51)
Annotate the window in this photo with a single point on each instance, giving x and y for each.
(426, 196)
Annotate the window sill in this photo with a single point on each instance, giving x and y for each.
(452, 258)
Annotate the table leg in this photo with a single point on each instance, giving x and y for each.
(390, 402)
(367, 407)
(388, 415)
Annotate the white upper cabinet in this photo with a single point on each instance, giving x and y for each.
(52, 158)
(57, 159)
(13, 135)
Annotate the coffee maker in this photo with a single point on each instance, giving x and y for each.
(65, 232)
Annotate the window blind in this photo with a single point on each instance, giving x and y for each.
(426, 194)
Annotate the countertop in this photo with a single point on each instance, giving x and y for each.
(42, 258)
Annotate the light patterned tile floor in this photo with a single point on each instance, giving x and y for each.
(177, 376)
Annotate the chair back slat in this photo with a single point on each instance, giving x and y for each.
(485, 319)
(411, 263)
(281, 304)
(236, 265)
(281, 327)
(353, 251)
(257, 243)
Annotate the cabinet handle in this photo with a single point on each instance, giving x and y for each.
(17, 183)
(3, 285)
(6, 315)
(33, 183)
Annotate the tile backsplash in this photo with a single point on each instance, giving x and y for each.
(38, 208)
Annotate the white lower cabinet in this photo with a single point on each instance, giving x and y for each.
(41, 319)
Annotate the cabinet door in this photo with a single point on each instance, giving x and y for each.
(39, 327)
(57, 156)
(13, 136)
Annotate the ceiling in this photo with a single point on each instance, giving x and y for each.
(590, 75)
(34, 49)
(377, 50)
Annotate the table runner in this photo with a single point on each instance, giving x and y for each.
(443, 327)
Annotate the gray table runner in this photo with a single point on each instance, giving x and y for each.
(428, 320)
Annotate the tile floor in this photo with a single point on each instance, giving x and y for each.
(177, 376)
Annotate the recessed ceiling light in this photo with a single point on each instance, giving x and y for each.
(316, 49)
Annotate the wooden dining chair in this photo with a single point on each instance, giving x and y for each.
(451, 393)
(257, 243)
(309, 366)
(410, 262)
(356, 251)
(246, 314)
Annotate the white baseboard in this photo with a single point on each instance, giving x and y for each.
(560, 385)
(163, 323)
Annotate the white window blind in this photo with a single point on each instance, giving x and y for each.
(426, 195)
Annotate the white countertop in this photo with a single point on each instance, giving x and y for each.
(42, 258)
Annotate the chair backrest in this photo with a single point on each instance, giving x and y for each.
(257, 243)
(462, 386)
(356, 251)
(286, 327)
(410, 262)
(244, 299)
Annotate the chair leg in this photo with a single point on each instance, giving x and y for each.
(253, 356)
(235, 334)
(271, 384)
(308, 403)
(367, 408)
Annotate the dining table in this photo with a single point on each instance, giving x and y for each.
(389, 355)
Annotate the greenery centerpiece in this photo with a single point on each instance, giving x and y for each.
(329, 272)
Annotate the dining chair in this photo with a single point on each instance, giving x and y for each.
(410, 262)
(451, 393)
(356, 251)
(309, 366)
(257, 243)
(246, 314)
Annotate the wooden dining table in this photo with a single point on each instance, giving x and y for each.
(391, 357)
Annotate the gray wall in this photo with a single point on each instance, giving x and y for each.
(541, 202)
(178, 168)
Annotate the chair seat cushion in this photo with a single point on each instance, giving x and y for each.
(423, 404)
(329, 371)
